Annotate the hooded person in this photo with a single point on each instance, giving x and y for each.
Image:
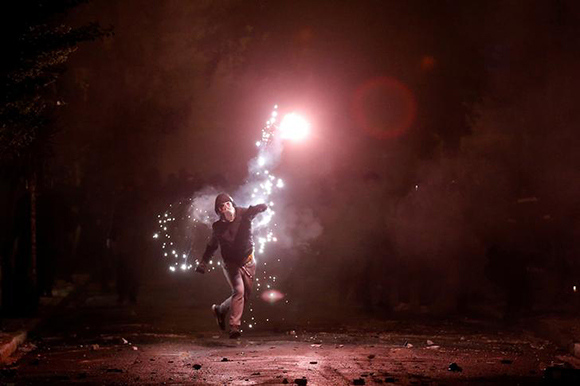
(232, 233)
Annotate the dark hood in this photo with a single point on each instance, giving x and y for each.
(220, 199)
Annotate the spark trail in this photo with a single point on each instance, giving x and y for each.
(185, 226)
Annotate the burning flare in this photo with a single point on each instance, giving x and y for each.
(294, 127)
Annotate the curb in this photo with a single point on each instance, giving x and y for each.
(6, 350)
(20, 335)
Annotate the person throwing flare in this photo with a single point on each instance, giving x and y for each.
(232, 233)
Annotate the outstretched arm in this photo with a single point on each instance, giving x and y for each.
(254, 210)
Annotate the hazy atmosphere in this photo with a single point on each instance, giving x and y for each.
(439, 176)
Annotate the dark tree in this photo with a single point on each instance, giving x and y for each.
(36, 43)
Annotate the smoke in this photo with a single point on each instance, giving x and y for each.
(284, 223)
(202, 205)
(299, 228)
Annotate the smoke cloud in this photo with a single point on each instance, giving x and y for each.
(285, 223)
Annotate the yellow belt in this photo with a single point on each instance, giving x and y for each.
(249, 259)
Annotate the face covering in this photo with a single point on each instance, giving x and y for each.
(230, 214)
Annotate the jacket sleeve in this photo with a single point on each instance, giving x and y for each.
(254, 210)
(212, 246)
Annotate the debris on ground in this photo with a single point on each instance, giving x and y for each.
(135, 348)
(430, 342)
(506, 361)
(197, 366)
(95, 347)
(371, 356)
(285, 381)
(301, 381)
(225, 359)
(313, 363)
(454, 367)
(124, 341)
(358, 381)
(408, 345)
(434, 347)
(390, 380)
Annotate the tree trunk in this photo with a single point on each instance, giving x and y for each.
(33, 257)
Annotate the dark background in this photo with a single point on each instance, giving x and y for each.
(442, 166)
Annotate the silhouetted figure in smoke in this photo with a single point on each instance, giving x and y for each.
(508, 270)
(233, 234)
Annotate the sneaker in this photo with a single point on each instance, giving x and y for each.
(219, 317)
(235, 334)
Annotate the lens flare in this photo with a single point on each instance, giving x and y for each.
(272, 296)
(294, 127)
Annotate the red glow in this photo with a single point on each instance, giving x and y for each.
(272, 296)
(384, 107)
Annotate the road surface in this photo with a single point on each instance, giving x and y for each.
(170, 338)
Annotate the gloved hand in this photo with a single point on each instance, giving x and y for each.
(201, 267)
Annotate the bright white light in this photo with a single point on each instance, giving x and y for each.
(261, 161)
(294, 127)
(172, 269)
(183, 267)
(280, 183)
(155, 236)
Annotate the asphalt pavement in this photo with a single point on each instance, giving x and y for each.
(170, 337)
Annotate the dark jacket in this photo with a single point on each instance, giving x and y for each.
(234, 238)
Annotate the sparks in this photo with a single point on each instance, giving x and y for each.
(185, 226)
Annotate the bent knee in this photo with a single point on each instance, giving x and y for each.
(238, 291)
